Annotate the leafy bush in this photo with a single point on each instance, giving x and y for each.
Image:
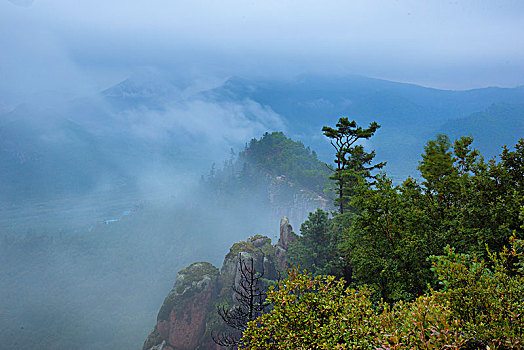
(487, 300)
(421, 324)
(480, 307)
(314, 313)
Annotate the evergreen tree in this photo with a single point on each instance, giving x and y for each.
(352, 162)
(315, 249)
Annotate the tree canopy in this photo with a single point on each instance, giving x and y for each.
(352, 162)
(434, 263)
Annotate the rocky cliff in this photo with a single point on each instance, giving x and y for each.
(188, 317)
(290, 199)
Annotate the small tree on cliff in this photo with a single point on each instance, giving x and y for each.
(250, 297)
(352, 162)
(315, 249)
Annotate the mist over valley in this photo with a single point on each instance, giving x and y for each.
(104, 200)
(136, 140)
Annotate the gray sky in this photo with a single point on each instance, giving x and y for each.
(75, 46)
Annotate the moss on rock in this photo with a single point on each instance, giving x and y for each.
(240, 247)
(193, 275)
(191, 280)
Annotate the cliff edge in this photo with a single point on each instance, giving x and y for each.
(188, 317)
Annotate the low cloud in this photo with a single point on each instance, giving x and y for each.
(203, 125)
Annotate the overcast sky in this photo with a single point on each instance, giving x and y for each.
(74, 46)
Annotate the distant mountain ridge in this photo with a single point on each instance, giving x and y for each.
(492, 128)
(409, 114)
(156, 118)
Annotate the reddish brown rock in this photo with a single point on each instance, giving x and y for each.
(188, 317)
(181, 321)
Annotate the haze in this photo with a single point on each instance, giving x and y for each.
(70, 46)
(112, 114)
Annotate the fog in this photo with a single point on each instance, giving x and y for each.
(105, 203)
(114, 116)
(76, 45)
(88, 256)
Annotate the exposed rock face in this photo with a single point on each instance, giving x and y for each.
(257, 247)
(293, 201)
(181, 320)
(188, 316)
(286, 236)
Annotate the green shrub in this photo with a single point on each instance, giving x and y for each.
(314, 313)
(486, 297)
(480, 306)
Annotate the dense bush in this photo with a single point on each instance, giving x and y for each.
(461, 200)
(314, 313)
(480, 307)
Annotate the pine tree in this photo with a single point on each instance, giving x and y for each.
(352, 162)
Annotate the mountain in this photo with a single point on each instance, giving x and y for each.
(151, 120)
(409, 114)
(499, 124)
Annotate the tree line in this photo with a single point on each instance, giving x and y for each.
(434, 262)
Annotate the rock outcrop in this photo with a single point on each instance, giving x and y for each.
(290, 199)
(286, 236)
(188, 317)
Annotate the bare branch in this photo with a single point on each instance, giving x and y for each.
(251, 302)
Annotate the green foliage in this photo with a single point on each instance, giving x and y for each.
(480, 307)
(470, 298)
(387, 243)
(437, 162)
(352, 162)
(420, 324)
(316, 249)
(278, 155)
(462, 201)
(488, 301)
(313, 313)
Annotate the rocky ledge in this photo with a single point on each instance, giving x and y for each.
(188, 316)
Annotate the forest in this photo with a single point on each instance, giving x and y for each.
(434, 262)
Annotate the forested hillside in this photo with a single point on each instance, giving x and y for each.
(275, 175)
(279, 155)
(492, 127)
(433, 262)
(430, 263)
